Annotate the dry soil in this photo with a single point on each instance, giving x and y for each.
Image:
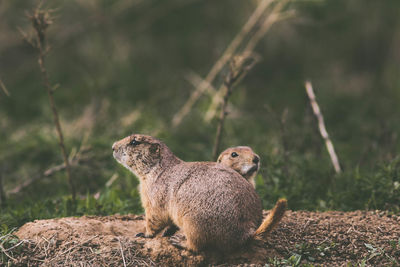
(329, 238)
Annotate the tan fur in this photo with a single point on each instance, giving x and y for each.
(272, 220)
(212, 204)
(243, 160)
(247, 164)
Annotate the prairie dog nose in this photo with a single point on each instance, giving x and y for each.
(256, 159)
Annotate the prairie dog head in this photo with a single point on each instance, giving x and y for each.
(138, 153)
(243, 160)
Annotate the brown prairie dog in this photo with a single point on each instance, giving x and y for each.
(212, 204)
(243, 160)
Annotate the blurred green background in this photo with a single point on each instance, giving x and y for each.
(123, 68)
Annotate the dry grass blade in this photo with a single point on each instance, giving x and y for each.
(219, 95)
(26, 37)
(4, 88)
(49, 252)
(321, 126)
(220, 63)
(122, 252)
(196, 80)
(8, 252)
(78, 245)
(273, 17)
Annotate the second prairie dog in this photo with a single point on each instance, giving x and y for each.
(243, 160)
(212, 204)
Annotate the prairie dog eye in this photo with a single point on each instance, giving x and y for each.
(134, 142)
(234, 155)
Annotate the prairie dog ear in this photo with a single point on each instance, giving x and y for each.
(155, 148)
(220, 158)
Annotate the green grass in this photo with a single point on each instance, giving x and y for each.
(110, 201)
(348, 191)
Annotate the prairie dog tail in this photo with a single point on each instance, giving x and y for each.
(272, 219)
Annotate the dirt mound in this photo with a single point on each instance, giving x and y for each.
(326, 238)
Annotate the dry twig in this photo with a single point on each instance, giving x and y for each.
(9, 251)
(3, 250)
(321, 126)
(74, 160)
(275, 15)
(41, 20)
(220, 63)
(239, 67)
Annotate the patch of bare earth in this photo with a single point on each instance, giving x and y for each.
(320, 238)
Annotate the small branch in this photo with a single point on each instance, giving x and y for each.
(321, 126)
(220, 63)
(74, 161)
(2, 249)
(26, 37)
(40, 20)
(47, 173)
(274, 16)
(239, 67)
(222, 115)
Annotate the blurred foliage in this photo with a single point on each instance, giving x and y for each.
(122, 68)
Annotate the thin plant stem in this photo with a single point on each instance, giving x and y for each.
(222, 115)
(275, 15)
(220, 63)
(239, 67)
(40, 20)
(322, 128)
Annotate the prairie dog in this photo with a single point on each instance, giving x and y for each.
(243, 160)
(212, 204)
